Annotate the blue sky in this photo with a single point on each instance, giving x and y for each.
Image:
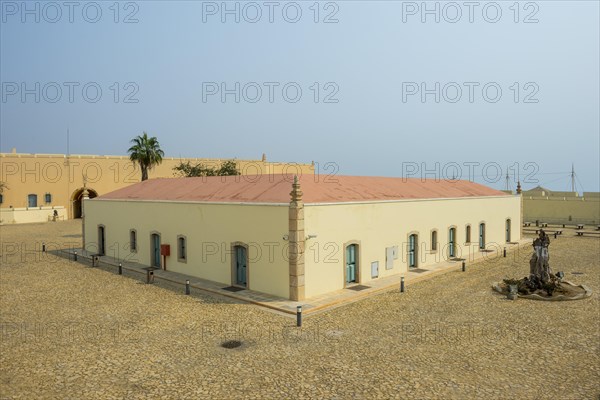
(370, 68)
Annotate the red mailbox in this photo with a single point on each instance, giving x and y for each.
(165, 250)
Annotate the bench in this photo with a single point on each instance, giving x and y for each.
(537, 231)
(598, 228)
(527, 224)
(579, 226)
(544, 224)
(582, 233)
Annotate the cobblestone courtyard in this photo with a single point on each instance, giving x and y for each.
(70, 331)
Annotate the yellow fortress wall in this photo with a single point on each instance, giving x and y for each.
(62, 176)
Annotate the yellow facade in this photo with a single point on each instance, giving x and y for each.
(377, 226)
(62, 177)
(210, 230)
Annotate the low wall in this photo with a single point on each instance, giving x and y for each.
(28, 215)
(565, 210)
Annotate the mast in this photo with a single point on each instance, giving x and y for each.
(573, 178)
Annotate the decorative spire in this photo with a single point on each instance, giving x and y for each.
(518, 187)
(85, 193)
(264, 157)
(296, 192)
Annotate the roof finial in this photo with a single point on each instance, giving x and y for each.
(296, 193)
(518, 187)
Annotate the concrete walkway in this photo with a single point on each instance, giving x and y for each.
(310, 305)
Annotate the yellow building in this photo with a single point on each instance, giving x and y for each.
(303, 239)
(37, 185)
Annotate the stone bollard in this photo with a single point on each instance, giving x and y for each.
(75, 256)
(401, 284)
(464, 266)
(187, 287)
(120, 269)
(504, 253)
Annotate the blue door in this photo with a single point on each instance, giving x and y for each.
(412, 251)
(155, 239)
(451, 242)
(241, 267)
(351, 263)
(32, 200)
(482, 236)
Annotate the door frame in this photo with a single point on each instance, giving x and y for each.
(481, 235)
(101, 239)
(452, 244)
(234, 264)
(153, 250)
(357, 266)
(416, 250)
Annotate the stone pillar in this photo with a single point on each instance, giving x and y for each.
(84, 196)
(296, 243)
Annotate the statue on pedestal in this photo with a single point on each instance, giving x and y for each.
(539, 268)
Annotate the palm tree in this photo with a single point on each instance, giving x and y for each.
(146, 152)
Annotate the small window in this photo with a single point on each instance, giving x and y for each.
(434, 241)
(1, 199)
(181, 248)
(133, 240)
(48, 198)
(32, 200)
(468, 234)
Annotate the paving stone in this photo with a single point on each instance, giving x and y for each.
(73, 332)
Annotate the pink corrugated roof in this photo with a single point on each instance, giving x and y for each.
(316, 189)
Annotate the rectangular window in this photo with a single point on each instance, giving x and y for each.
(48, 198)
(32, 200)
(181, 248)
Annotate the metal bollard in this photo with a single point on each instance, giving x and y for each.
(464, 266)
(120, 269)
(187, 287)
(504, 253)
(401, 284)
(299, 316)
(149, 277)
(95, 262)
(43, 247)
(75, 257)
(555, 235)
